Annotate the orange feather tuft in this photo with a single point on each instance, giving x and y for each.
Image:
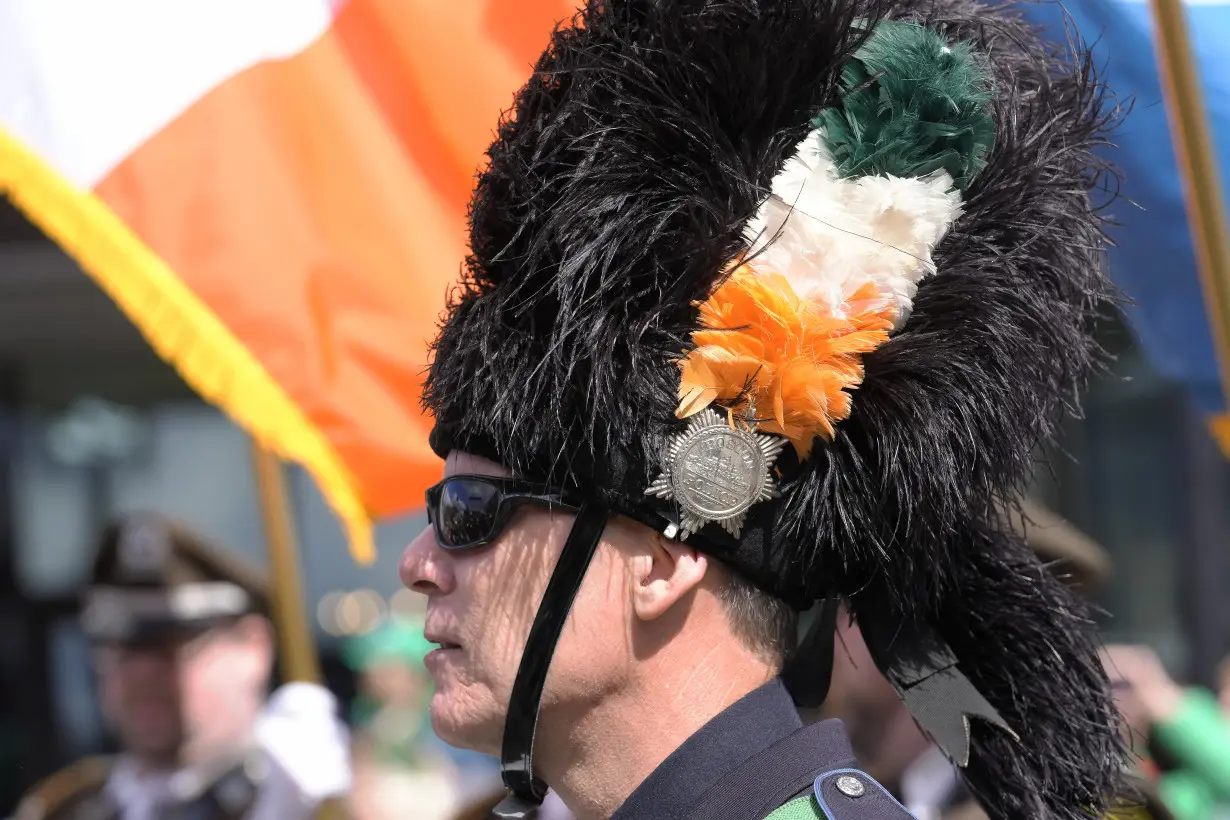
(794, 360)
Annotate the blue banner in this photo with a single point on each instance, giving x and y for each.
(1154, 262)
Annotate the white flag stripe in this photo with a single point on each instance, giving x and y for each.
(84, 83)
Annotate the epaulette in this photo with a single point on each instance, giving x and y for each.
(65, 786)
(844, 794)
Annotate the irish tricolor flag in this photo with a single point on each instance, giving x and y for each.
(274, 191)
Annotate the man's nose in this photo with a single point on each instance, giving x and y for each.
(425, 567)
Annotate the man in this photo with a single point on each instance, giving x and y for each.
(184, 651)
(768, 304)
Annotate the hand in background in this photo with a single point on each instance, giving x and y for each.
(1143, 689)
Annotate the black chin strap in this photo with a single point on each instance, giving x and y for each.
(809, 671)
(527, 791)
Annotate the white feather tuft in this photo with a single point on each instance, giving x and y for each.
(829, 236)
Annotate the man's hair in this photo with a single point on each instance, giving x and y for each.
(767, 625)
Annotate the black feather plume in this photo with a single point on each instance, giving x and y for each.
(617, 193)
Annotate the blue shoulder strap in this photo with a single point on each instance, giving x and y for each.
(759, 786)
(843, 794)
(849, 794)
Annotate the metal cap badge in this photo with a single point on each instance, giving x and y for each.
(716, 471)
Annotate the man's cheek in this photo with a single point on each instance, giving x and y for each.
(208, 678)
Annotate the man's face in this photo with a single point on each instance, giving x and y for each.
(141, 697)
(481, 604)
(186, 690)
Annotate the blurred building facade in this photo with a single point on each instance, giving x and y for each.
(1142, 475)
(92, 424)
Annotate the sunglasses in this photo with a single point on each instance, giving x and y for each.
(470, 511)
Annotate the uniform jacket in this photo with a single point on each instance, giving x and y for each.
(751, 754)
(105, 789)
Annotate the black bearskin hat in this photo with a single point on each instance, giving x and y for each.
(860, 236)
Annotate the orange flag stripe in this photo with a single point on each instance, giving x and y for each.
(287, 242)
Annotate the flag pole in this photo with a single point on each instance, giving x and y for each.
(295, 644)
(1206, 209)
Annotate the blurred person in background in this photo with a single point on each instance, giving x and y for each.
(401, 771)
(184, 655)
(1223, 686)
(1182, 735)
(885, 736)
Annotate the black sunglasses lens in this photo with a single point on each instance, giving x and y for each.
(466, 513)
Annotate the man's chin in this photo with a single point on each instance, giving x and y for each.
(460, 727)
(157, 751)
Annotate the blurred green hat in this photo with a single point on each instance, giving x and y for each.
(396, 641)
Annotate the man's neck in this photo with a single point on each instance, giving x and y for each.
(211, 760)
(595, 759)
(142, 766)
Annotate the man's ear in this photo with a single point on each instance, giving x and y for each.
(666, 572)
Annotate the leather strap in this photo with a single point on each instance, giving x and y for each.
(923, 670)
(809, 671)
(518, 746)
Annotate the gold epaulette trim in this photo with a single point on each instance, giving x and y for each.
(55, 790)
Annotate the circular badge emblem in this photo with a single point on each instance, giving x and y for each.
(718, 473)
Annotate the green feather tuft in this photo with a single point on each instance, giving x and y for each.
(912, 105)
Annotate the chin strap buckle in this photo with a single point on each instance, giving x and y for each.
(515, 807)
